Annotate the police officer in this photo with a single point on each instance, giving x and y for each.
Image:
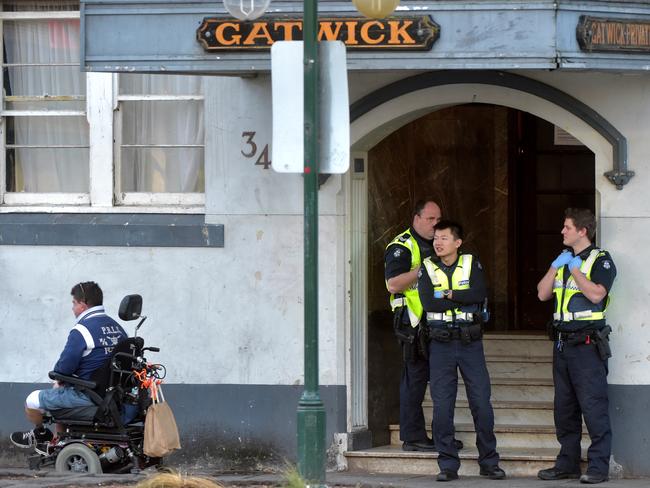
(580, 281)
(452, 291)
(402, 261)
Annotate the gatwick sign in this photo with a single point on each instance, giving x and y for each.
(408, 33)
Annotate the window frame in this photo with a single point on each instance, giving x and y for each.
(104, 121)
(36, 198)
(149, 198)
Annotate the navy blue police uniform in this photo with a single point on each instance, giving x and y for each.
(580, 369)
(415, 371)
(455, 344)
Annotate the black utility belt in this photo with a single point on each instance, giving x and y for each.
(597, 337)
(464, 333)
(582, 336)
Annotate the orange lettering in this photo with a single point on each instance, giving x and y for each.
(352, 33)
(221, 35)
(611, 33)
(259, 31)
(365, 33)
(327, 33)
(396, 32)
(597, 36)
(288, 27)
(620, 34)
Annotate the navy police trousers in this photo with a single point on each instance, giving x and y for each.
(445, 359)
(413, 386)
(580, 378)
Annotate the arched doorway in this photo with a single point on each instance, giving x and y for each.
(507, 177)
(466, 121)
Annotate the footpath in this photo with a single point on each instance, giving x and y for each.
(46, 478)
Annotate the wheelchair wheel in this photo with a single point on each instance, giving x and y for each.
(78, 458)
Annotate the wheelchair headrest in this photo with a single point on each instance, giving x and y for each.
(130, 307)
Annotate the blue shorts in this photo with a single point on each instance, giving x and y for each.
(63, 397)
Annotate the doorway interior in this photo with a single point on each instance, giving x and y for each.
(506, 176)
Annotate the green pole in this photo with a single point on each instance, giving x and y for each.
(311, 413)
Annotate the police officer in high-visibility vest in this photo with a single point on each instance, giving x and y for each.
(453, 292)
(580, 281)
(402, 260)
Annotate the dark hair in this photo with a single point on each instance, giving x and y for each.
(420, 204)
(582, 218)
(455, 228)
(88, 292)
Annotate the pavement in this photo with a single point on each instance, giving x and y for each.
(48, 478)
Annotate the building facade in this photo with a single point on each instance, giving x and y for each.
(162, 185)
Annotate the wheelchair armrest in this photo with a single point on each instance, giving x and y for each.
(72, 380)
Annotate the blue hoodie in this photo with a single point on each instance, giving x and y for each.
(90, 343)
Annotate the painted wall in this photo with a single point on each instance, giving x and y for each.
(233, 315)
(624, 215)
(229, 321)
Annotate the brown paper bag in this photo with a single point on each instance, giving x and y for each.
(160, 431)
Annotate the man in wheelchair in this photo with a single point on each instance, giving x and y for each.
(90, 344)
(96, 403)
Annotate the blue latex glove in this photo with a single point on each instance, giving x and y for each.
(437, 294)
(562, 259)
(575, 263)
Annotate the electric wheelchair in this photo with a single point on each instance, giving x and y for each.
(108, 436)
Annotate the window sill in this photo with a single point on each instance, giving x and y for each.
(118, 209)
(109, 229)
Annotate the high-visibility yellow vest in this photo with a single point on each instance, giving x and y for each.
(459, 281)
(408, 297)
(570, 302)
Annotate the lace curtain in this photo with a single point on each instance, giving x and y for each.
(162, 140)
(50, 155)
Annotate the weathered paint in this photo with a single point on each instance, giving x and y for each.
(508, 34)
(221, 426)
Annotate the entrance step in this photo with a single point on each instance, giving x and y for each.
(513, 389)
(505, 412)
(521, 345)
(508, 436)
(391, 459)
(521, 376)
(520, 366)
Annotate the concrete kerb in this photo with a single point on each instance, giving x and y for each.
(46, 478)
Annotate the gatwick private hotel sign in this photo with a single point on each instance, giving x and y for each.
(416, 33)
(613, 35)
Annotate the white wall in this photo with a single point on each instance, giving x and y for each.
(624, 100)
(231, 315)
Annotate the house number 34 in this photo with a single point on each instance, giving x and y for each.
(250, 150)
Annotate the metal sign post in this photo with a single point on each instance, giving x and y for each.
(311, 412)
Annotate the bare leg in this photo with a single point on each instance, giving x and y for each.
(35, 416)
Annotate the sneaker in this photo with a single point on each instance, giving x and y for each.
(29, 439)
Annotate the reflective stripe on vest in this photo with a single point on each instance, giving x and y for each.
(570, 302)
(408, 297)
(459, 281)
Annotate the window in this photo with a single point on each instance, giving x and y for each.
(159, 139)
(44, 126)
(56, 122)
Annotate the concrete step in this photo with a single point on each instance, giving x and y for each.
(513, 389)
(517, 344)
(391, 459)
(508, 436)
(520, 366)
(505, 412)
